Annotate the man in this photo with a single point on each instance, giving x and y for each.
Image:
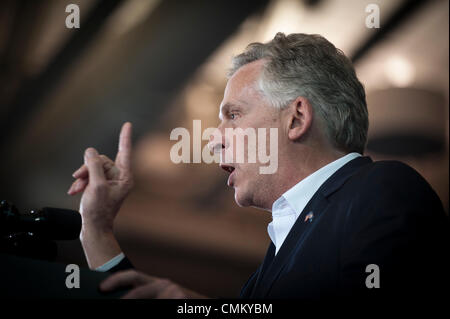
(342, 224)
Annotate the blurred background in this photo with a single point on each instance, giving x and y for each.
(161, 64)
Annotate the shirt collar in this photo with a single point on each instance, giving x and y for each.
(288, 207)
(300, 194)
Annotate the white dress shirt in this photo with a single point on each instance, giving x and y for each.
(287, 208)
(111, 263)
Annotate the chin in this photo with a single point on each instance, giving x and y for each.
(242, 198)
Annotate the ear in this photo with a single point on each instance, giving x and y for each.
(300, 118)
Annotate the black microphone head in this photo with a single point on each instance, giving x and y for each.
(59, 224)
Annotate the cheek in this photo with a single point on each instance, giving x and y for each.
(248, 173)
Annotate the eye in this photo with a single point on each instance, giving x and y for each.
(232, 115)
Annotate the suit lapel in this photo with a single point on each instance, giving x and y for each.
(270, 254)
(295, 237)
(273, 265)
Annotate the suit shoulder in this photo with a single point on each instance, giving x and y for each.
(392, 166)
(391, 173)
(396, 185)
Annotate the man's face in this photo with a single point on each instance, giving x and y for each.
(243, 107)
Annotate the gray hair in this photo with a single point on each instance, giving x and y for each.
(310, 66)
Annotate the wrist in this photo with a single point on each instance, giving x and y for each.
(99, 246)
(97, 227)
(93, 232)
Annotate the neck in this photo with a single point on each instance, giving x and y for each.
(294, 169)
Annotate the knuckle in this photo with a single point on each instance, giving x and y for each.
(107, 166)
(105, 158)
(114, 278)
(125, 273)
(129, 183)
(172, 288)
(137, 278)
(94, 160)
(164, 282)
(170, 291)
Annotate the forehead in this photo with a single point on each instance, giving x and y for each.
(242, 86)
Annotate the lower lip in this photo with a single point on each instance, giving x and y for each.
(229, 182)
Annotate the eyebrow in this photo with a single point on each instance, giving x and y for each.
(224, 108)
(227, 106)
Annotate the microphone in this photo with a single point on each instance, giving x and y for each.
(46, 223)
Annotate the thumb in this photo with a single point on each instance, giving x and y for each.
(94, 165)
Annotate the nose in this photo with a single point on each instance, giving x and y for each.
(216, 142)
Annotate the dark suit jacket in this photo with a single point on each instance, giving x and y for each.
(381, 213)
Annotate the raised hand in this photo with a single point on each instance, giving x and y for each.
(105, 184)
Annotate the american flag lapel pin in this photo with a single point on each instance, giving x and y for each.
(309, 217)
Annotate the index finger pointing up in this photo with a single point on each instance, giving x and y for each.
(123, 157)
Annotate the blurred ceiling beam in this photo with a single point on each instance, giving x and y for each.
(135, 80)
(400, 15)
(33, 90)
(18, 20)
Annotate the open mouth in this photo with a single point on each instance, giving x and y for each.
(230, 169)
(227, 167)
